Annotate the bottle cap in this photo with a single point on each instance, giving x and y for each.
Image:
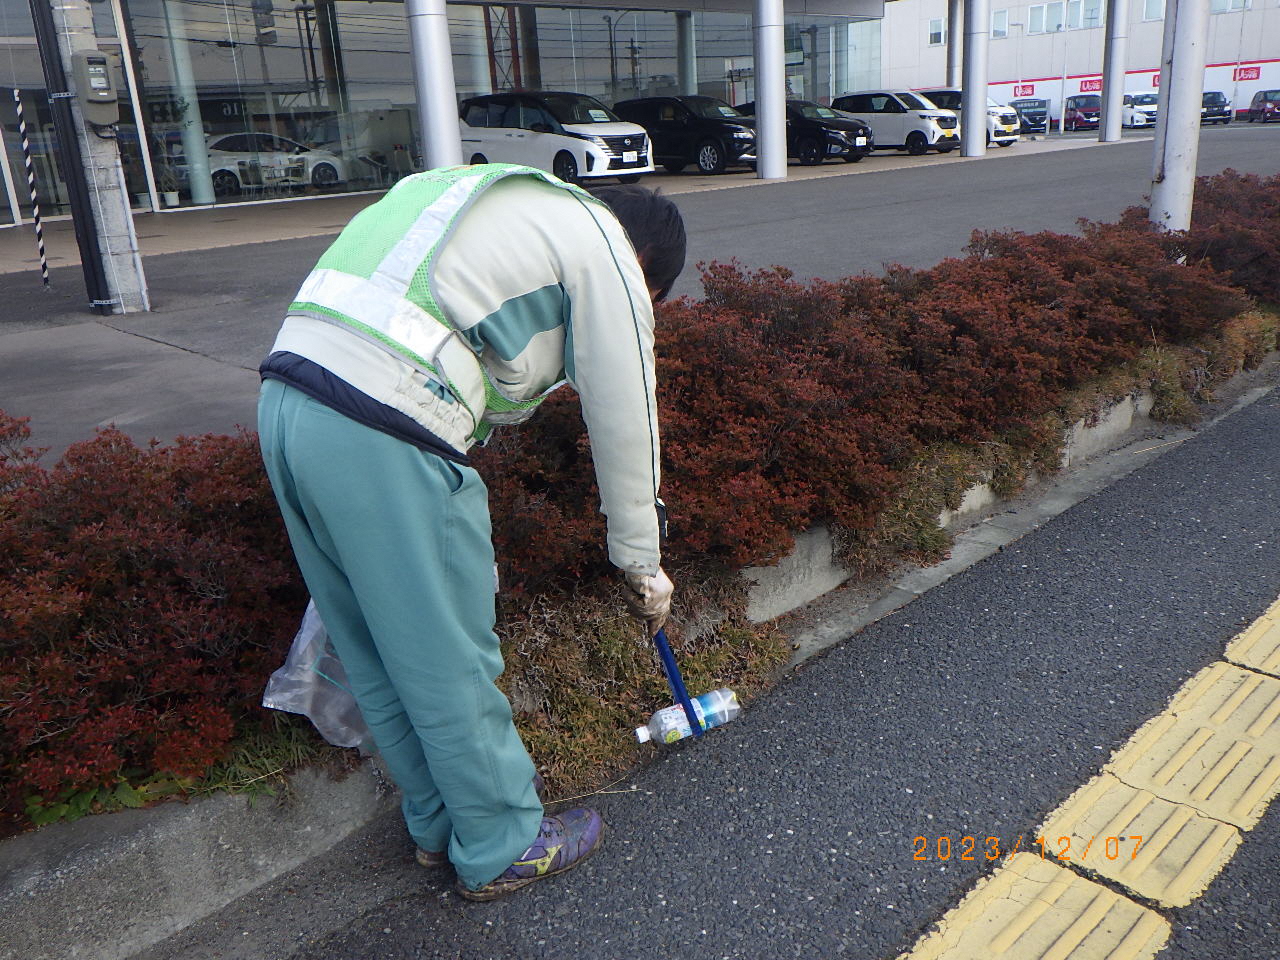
(643, 734)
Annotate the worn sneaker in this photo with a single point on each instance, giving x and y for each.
(431, 859)
(563, 842)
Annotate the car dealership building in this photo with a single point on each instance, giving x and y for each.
(255, 80)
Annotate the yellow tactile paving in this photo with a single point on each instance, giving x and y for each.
(1233, 701)
(1163, 851)
(1163, 818)
(1259, 646)
(1217, 773)
(1033, 909)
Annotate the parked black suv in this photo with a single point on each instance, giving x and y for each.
(699, 130)
(1215, 107)
(815, 132)
(1033, 112)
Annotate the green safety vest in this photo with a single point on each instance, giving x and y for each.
(376, 280)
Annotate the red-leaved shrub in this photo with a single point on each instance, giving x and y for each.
(1235, 225)
(145, 594)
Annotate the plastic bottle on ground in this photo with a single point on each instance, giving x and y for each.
(670, 723)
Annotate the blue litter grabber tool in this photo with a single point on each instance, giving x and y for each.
(675, 681)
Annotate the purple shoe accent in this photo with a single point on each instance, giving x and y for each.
(432, 859)
(563, 842)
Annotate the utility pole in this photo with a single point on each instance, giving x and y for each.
(1178, 122)
(80, 83)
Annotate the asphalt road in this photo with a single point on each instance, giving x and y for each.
(975, 710)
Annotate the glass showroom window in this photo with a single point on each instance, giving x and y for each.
(1092, 13)
(1035, 19)
(1226, 6)
(999, 24)
(937, 32)
(1153, 10)
(245, 100)
(1074, 14)
(1053, 17)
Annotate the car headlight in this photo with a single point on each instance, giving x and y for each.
(743, 135)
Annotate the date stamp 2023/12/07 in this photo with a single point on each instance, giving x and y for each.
(1067, 849)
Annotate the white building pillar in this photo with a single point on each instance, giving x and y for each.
(1113, 64)
(953, 42)
(433, 78)
(973, 108)
(1178, 124)
(191, 125)
(771, 91)
(686, 54)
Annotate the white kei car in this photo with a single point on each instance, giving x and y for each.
(571, 135)
(1003, 123)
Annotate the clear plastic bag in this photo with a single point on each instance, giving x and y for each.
(313, 682)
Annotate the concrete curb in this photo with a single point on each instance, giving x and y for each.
(110, 886)
(809, 571)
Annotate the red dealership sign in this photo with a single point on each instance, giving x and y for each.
(1155, 79)
(1025, 90)
(1091, 86)
(1248, 73)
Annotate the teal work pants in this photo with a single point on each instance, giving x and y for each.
(394, 545)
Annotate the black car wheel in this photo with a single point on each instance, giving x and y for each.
(853, 156)
(1005, 143)
(710, 157)
(629, 178)
(945, 147)
(917, 143)
(225, 183)
(479, 158)
(324, 176)
(674, 166)
(809, 152)
(565, 167)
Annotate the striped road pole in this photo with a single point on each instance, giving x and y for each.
(31, 184)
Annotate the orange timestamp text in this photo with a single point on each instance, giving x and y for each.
(943, 847)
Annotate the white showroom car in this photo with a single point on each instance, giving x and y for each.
(248, 160)
(1139, 110)
(573, 136)
(901, 120)
(1003, 123)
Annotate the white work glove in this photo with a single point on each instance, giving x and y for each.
(649, 598)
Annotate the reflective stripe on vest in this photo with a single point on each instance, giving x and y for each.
(381, 308)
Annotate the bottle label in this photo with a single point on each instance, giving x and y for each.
(675, 725)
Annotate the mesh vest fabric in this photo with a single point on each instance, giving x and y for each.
(375, 280)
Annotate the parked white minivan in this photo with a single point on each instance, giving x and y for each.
(902, 120)
(1002, 122)
(573, 136)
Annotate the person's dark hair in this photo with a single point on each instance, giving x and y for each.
(655, 228)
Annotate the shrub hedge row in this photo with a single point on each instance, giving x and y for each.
(145, 593)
